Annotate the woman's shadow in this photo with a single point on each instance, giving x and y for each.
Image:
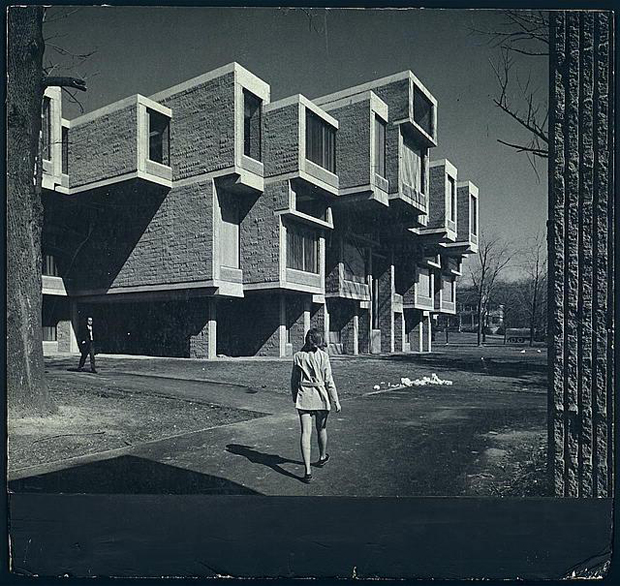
(272, 461)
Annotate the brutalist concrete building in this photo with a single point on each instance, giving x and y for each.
(206, 220)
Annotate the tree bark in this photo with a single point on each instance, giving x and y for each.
(25, 368)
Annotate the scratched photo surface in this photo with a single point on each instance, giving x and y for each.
(286, 252)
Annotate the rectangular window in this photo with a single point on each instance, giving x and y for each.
(380, 128)
(424, 283)
(448, 290)
(251, 125)
(301, 249)
(451, 199)
(473, 210)
(159, 137)
(50, 268)
(320, 142)
(413, 165)
(229, 234)
(423, 112)
(49, 334)
(46, 130)
(65, 150)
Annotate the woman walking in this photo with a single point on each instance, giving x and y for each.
(313, 389)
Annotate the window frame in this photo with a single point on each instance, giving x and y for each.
(428, 275)
(320, 142)
(248, 98)
(380, 146)
(452, 198)
(473, 214)
(52, 329)
(64, 138)
(46, 129)
(49, 266)
(421, 102)
(164, 132)
(308, 240)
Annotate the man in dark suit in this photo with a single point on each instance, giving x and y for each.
(87, 345)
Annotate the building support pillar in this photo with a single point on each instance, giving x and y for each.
(426, 332)
(74, 317)
(204, 343)
(282, 327)
(356, 330)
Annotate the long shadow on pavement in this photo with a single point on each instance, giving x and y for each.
(272, 461)
(128, 475)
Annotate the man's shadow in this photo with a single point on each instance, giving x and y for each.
(272, 461)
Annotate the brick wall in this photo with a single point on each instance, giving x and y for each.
(581, 253)
(398, 332)
(353, 149)
(132, 235)
(363, 331)
(202, 130)
(260, 236)
(104, 148)
(156, 328)
(386, 289)
(281, 140)
(437, 200)
(397, 96)
(462, 213)
(392, 156)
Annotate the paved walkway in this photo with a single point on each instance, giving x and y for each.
(412, 441)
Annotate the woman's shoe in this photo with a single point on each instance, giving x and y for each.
(323, 461)
(307, 479)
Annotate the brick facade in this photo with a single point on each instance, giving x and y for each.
(143, 245)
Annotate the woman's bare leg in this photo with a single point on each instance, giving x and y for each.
(321, 429)
(305, 419)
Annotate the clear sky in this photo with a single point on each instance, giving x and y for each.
(143, 50)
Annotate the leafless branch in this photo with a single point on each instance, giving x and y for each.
(73, 99)
(66, 53)
(522, 149)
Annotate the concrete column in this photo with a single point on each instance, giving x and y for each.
(282, 327)
(426, 332)
(75, 324)
(307, 309)
(204, 343)
(356, 330)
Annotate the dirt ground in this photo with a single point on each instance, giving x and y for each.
(94, 418)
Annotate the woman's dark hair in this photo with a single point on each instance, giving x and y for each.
(314, 340)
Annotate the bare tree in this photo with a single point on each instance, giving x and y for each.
(534, 284)
(26, 391)
(521, 33)
(494, 255)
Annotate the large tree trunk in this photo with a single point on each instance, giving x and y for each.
(25, 369)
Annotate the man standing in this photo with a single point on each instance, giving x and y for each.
(87, 345)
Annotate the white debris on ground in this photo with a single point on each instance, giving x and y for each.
(407, 382)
